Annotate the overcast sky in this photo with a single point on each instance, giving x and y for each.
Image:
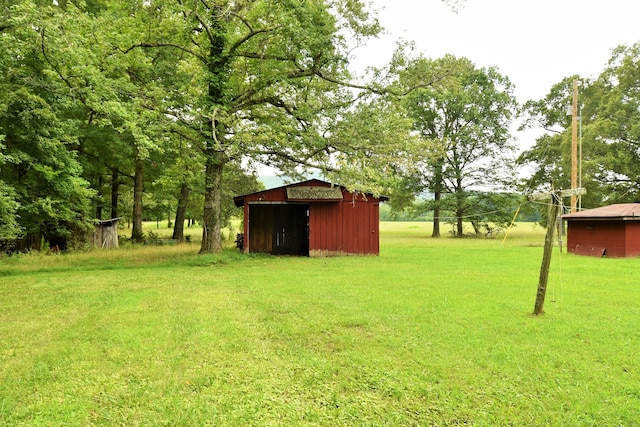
(536, 43)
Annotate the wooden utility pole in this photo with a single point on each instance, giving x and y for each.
(554, 214)
(554, 210)
(574, 146)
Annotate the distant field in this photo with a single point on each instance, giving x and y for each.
(520, 233)
(431, 332)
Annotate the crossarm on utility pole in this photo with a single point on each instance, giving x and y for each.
(561, 194)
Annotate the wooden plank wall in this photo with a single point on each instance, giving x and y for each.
(632, 233)
(344, 228)
(260, 235)
(604, 234)
(335, 228)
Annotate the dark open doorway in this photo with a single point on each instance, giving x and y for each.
(280, 229)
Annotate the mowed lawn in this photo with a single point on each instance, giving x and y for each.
(431, 332)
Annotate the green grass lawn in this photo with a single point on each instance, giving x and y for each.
(431, 332)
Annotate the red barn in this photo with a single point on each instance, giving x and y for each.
(612, 230)
(311, 218)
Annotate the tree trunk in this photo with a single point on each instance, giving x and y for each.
(115, 188)
(460, 208)
(99, 205)
(138, 186)
(436, 214)
(219, 66)
(459, 228)
(437, 194)
(476, 227)
(181, 213)
(211, 237)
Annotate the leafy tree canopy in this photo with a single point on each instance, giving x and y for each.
(609, 115)
(463, 119)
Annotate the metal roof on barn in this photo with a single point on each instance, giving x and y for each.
(313, 190)
(620, 211)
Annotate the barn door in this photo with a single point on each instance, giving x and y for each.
(290, 230)
(280, 229)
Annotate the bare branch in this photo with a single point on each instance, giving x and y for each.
(253, 55)
(60, 74)
(205, 26)
(244, 20)
(147, 45)
(248, 37)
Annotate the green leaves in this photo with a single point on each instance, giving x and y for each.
(373, 146)
(10, 228)
(609, 116)
(463, 114)
(42, 191)
(120, 83)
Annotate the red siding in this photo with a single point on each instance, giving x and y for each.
(619, 238)
(344, 228)
(335, 228)
(633, 238)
